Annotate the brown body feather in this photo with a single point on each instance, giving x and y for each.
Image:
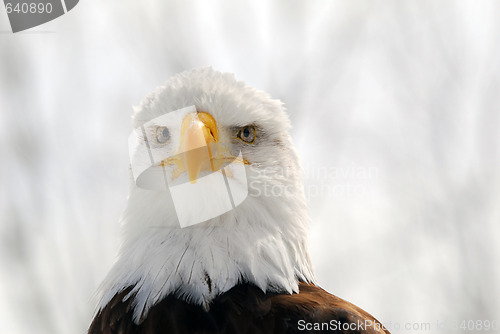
(243, 309)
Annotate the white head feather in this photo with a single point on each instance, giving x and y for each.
(262, 241)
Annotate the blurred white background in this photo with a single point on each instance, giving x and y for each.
(395, 107)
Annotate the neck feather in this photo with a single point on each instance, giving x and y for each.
(266, 246)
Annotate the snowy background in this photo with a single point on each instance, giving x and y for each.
(395, 107)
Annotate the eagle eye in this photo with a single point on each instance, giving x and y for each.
(247, 134)
(162, 134)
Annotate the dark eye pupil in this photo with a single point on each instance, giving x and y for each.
(165, 133)
(246, 132)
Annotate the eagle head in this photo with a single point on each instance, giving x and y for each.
(228, 206)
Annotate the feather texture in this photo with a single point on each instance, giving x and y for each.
(243, 309)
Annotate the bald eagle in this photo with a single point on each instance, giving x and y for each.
(245, 269)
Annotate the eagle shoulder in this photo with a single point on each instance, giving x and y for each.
(243, 309)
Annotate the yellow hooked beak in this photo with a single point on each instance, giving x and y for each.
(198, 131)
(199, 149)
